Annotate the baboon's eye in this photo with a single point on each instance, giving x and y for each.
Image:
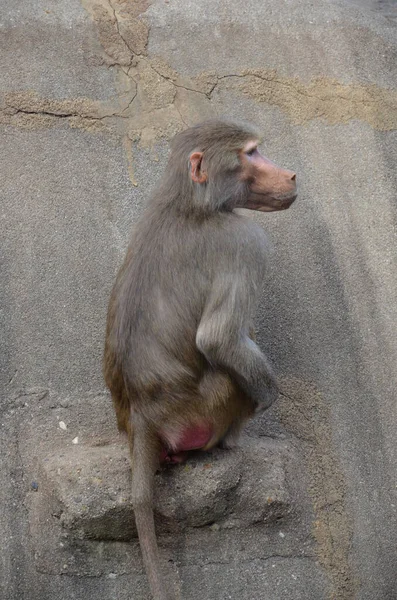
(252, 151)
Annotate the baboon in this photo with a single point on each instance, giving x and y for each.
(183, 369)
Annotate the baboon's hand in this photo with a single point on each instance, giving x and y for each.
(265, 398)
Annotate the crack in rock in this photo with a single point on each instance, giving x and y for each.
(160, 102)
(323, 98)
(122, 31)
(27, 109)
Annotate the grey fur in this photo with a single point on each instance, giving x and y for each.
(179, 354)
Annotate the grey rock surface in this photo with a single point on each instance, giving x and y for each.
(91, 93)
(88, 490)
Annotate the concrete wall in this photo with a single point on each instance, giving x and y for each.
(90, 94)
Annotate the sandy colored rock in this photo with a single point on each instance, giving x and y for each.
(91, 489)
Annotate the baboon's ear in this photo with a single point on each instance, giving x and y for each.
(196, 172)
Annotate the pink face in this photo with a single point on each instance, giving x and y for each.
(271, 187)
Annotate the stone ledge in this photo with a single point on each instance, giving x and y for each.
(87, 491)
(81, 515)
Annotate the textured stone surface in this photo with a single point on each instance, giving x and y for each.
(88, 490)
(90, 94)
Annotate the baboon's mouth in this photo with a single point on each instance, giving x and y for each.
(271, 204)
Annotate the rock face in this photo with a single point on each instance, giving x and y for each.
(86, 491)
(91, 92)
(232, 507)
